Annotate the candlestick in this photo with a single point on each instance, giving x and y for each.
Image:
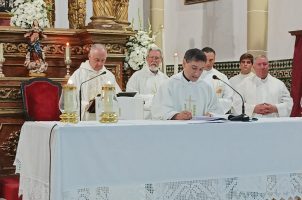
(67, 62)
(175, 63)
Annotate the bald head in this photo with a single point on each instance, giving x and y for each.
(97, 56)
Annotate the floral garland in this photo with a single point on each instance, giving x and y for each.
(137, 47)
(24, 12)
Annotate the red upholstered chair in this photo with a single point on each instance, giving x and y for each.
(41, 99)
(9, 187)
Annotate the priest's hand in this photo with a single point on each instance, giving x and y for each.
(270, 108)
(265, 109)
(184, 115)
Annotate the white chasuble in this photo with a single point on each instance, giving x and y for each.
(223, 92)
(146, 84)
(91, 88)
(177, 94)
(257, 91)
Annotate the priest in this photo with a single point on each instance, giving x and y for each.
(147, 80)
(264, 95)
(184, 95)
(92, 67)
(245, 64)
(223, 92)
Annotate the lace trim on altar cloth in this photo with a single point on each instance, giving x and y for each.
(17, 163)
(33, 189)
(277, 187)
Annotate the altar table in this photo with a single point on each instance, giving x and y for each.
(163, 160)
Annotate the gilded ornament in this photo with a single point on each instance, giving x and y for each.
(50, 4)
(121, 10)
(76, 13)
(103, 8)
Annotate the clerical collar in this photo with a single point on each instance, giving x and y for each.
(183, 73)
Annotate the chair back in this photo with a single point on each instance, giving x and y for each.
(41, 99)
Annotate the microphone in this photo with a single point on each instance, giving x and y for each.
(80, 92)
(242, 117)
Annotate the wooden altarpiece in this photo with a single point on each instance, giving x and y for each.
(15, 48)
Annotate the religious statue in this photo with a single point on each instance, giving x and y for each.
(35, 57)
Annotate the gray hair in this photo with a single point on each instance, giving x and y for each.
(97, 47)
(260, 56)
(154, 48)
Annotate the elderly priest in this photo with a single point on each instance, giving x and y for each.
(264, 95)
(89, 69)
(184, 95)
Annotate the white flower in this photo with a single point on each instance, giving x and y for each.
(26, 11)
(137, 47)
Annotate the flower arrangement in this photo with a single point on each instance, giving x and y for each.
(24, 12)
(137, 47)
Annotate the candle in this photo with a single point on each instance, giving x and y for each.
(175, 63)
(163, 49)
(108, 95)
(69, 91)
(1, 51)
(67, 52)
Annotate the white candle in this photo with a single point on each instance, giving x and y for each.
(67, 52)
(175, 63)
(1, 51)
(108, 95)
(69, 91)
(163, 49)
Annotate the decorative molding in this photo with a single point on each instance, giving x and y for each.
(9, 147)
(115, 48)
(9, 93)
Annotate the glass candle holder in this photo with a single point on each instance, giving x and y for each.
(68, 104)
(109, 104)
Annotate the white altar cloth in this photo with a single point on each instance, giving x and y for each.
(145, 159)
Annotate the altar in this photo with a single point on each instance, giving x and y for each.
(161, 160)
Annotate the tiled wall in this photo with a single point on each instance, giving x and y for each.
(281, 69)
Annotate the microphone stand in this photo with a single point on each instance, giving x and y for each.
(80, 91)
(242, 117)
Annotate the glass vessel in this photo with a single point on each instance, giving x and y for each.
(68, 104)
(109, 105)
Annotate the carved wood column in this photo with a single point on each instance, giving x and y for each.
(257, 27)
(51, 13)
(76, 14)
(157, 19)
(121, 13)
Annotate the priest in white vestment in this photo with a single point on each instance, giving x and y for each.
(184, 95)
(263, 94)
(147, 80)
(92, 67)
(246, 63)
(223, 92)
